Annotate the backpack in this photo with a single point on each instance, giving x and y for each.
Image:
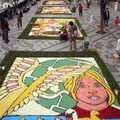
(74, 9)
(75, 33)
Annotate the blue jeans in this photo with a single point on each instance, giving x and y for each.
(5, 35)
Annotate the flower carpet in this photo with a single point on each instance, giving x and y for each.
(39, 85)
(54, 10)
(42, 28)
(55, 2)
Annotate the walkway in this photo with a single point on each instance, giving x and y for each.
(104, 44)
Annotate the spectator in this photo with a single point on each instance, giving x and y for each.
(64, 34)
(106, 16)
(118, 46)
(19, 18)
(33, 2)
(71, 36)
(0, 26)
(9, 12)
(5, 13)
(73, 11)
(5, 29)
(86, 43)
(26, 9)
(91, 18)
(88, 3)
(116, 21)
(80, 8)
(14, 9)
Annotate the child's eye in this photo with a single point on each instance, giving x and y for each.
(98, 85)
(82, 86)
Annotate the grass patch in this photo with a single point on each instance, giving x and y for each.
(25, 33)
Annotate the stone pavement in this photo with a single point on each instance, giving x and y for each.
(104, 44)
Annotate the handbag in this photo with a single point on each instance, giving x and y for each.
(75, 33)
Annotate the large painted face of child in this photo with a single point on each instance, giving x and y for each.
(91, 92)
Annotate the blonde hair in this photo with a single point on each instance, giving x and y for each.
(74, 84)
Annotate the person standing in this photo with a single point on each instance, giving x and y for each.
(106, 16)
(19, 14)
(0, 26)
(73, 11)
(9, 12)
(118, 46)
(64, 34)
(6, 13)
(71, 36)
(5, 29)
(86, 43)
(80, 8)
(88, 3)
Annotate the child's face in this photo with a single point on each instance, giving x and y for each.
(91, 92)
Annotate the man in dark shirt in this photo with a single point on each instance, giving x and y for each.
(9, 12)
(5, 29)
(19, 18)
(106, 16)
(73, 11)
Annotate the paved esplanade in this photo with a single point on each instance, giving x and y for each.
(104, 44)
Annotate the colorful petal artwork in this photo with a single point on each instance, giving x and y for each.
(54, 10)
(39, 88)
(51, 27)
(56, 2)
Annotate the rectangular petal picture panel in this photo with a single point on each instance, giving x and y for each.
(54, 10)
(47, 87)
(49, 28)
(55, 2)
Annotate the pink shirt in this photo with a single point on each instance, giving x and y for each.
(116, 21)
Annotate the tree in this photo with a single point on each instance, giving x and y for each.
(102, 9)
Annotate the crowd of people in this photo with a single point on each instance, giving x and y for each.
(66, 31)
(4, 25)
(69, 32)
(9, 13)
